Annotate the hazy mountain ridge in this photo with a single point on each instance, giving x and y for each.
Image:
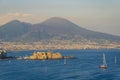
(51, 29)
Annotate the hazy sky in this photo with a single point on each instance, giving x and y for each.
(98, 15)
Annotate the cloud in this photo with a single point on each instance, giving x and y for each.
(19, 14)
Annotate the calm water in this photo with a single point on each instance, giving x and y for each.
(84, 67)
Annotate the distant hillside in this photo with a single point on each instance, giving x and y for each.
(52, 29)
(12, 31)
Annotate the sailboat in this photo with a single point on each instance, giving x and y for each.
(64, 61)
(115, 60)
(104, 65)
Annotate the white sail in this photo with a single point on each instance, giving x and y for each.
(104, 65)
(104, 60)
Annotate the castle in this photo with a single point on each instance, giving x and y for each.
(45, 56)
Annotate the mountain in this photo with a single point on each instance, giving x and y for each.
(52, 29)
(13, 30)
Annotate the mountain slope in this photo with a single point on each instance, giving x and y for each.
(64, 29)
(13, 30)
(51, 29)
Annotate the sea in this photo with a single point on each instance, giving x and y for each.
(85, 66)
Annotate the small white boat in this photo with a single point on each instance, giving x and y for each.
(104, 65)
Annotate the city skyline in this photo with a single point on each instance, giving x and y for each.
(97, 15)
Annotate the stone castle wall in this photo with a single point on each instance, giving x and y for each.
(45, 55)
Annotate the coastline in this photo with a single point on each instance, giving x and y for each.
(18, 46)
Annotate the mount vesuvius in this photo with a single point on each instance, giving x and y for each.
(54, 28)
